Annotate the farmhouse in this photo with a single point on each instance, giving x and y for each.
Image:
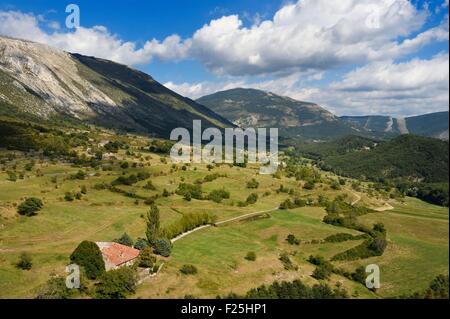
(116, 255)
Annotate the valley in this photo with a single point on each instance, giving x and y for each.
(85, 164)
(417, 232)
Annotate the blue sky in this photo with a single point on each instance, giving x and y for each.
(352, 57)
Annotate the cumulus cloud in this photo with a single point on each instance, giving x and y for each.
(96, 41)
(285, 54)
(409, 88)
(313, 34)
(309, 34)
(414, 87)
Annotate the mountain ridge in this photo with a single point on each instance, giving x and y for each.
(296, 119)
(46, 82)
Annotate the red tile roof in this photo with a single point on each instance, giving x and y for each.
(118, 254)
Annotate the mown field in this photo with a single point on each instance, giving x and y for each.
(417, 232)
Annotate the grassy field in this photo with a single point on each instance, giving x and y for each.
(417, 232)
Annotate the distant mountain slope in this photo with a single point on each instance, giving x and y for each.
(49, 83)
(339, 146)
(412, 157)
(431, 125)
(255, 108)
(434, 125)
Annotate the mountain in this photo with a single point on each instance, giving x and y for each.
(411, 157)
(431, 125)
(339, 146)
(255, 108)
(47, 84)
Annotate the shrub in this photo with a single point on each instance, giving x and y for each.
(150, 186)
(295, 290)
(125, 239)
(188, 222)
(321, 273)
(252, 198)
(309, 185)
(341, 237)
(141, 244)
(24, 262)
(69, 197)
(335, 185)
(359, 275)
(89, 256)
(12, 177)
(146, 258)
(292, 240)
(195, 191)
(252, 184)
(218, 195)
(79, 175)
(54, 288)
(30, 206)
(165, 193)
(378, 245)
(286, 261)
(163, 247)
(251, 256)
(188, 270)
(83, 190)
(116, 284)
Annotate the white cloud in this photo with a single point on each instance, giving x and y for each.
(312, 34)
(309, 34)
(408, 88)
(96, 41)
(414, 87)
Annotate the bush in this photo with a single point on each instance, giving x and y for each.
(341, 237)
(194, 191)
(89, 256)
(253, 184)
(54, 288)
(163, 247)
(12, 177)
(24, 262)
(359, 275)
(321, 273)
(252, 199)
(125, 239)
(287, 263)
(69, 197)
(150, 186)
(116, 284)
(251, 256)
(295, 290)
(188, 270)
(146, 258)
(292, 240)
(30, 207)
(141, 244)
(218, 195)
(188, 222)
(309, 185)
